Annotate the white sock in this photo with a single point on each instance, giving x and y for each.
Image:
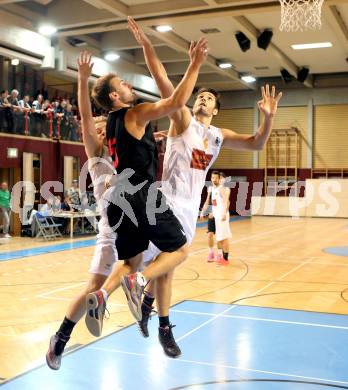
(141, 279)
(220, 252)
(211, 250)
(105, 294)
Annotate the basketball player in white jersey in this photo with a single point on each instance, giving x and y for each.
(221, 205)
(215, 181)
(101, 171)
(193, 144)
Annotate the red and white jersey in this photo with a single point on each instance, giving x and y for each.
(217, 201)
(187, 160)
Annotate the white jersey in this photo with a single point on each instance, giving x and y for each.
(105, 253)
(100, 169)
(187, 160)
(217, 201)
(219, 208)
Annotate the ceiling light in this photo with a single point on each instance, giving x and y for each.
(111, 57)
(225, 65)
(248, 79)
(15, 61)
(47, 30)
(318, 45)
(164, 28)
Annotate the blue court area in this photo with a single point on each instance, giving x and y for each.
(338, 250)
(14, 255)
(224, 347)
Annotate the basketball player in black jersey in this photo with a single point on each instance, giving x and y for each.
(132, 146)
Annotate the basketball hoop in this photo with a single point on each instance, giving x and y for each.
(300, 15)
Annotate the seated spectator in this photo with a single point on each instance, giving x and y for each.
(65, 206)
(75, 195)
(47, 208)
(57, 203)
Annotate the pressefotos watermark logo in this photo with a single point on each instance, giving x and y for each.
(117, 190)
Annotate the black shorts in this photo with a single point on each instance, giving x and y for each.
(164, 230)
(211, 225)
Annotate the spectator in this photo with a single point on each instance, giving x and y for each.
(47, 209)
(38, 119)
(65, 206)
(5, 208)
(6, 114)
(70, 123)
(15, 112)
(24, 118)
(75, 195)
(57, 203)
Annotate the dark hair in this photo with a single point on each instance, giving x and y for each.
(215, 173)
(213, 92)
(101, 90)
(222, 175)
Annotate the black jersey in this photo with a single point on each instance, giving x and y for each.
(129, 152)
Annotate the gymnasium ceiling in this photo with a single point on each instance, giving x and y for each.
(101, 24)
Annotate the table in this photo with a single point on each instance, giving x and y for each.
(72, 215)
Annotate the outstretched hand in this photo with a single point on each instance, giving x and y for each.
(85, 65)
(137, 31)
(269, 103)
(198, 51)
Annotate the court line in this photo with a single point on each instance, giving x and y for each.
(220, 366)
(43, 295)
(314, 324)
(245, 238)
(255, 293)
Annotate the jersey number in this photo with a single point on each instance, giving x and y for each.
(113, 152)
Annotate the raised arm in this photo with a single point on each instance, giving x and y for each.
(180, 118)
(268, 106)
(140, 115)
(93, 143)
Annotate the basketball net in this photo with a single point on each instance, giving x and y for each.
(300, 15)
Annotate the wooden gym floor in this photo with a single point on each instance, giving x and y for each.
(275, 262)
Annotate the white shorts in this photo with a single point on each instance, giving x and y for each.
(105, 255)
(188, 219)
(222, 228)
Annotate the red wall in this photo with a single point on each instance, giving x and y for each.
(52, 154)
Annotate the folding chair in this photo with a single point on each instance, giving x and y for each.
(47, 228)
